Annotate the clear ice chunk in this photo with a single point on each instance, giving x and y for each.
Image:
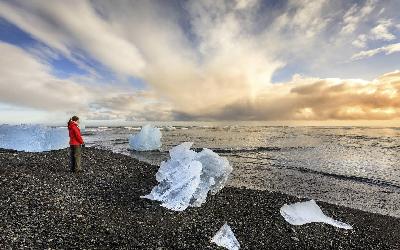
(187, 177)
(225, 238)
(149, 138)
(301, 213)
(33, 138)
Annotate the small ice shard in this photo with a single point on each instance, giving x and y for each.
(301, 213)
(149, 138)
(169, 128)
(33, 138)
(225, 238)
(186, 178)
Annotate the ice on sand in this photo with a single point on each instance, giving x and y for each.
(149, 138)
(225, 238)
(306, 212)
(33, 138)
(187, 177)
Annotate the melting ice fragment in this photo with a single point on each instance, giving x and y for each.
(149, 138)
(169, 128)
(33, 138)
(225, 238)
(301, 213)
(187, 177)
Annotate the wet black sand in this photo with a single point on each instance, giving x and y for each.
(43, 206)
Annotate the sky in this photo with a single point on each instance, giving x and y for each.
(119, 61)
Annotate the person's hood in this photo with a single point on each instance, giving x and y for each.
(72, 123)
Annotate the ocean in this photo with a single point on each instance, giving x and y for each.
(357, 167)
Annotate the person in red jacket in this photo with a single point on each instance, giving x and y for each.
(75, 142)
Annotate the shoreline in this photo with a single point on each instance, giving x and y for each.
(348, 191)
(43, 205)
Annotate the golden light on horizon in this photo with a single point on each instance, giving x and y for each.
(305, 113)
(387, 111)
(351, 111)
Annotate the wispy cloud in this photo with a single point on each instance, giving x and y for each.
(381, 31)
(361, 41)
(388, 49)
(66, 26)
(26, 81)
(355, 15)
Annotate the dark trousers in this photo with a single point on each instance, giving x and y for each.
(75, 155)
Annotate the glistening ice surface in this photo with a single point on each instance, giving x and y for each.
(226, 238)
(33, 138)
(149, 138)
(187, 177)
(301, 213)
(354, 166)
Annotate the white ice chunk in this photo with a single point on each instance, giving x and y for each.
(149, 138)
(301, 213)
(169, 128)
(186, 178)
(33, 138)
(225, 238)
(215, 173)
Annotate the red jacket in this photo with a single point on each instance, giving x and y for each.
(75, 137)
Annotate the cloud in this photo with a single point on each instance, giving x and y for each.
(302, 98)
(381, 31)
(355, 15)
(242, 4)
(303, 17)
(360, 42)
(26, 81)
(387, 50)
(66, 26)
(318, 99)
(378, 32)
(224, 63)
(221, 60)
(124, 105)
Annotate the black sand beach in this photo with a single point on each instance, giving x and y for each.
(44, 206)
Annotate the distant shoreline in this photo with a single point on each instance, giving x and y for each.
(42, 205)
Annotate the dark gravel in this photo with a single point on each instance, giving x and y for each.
(43, 206)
